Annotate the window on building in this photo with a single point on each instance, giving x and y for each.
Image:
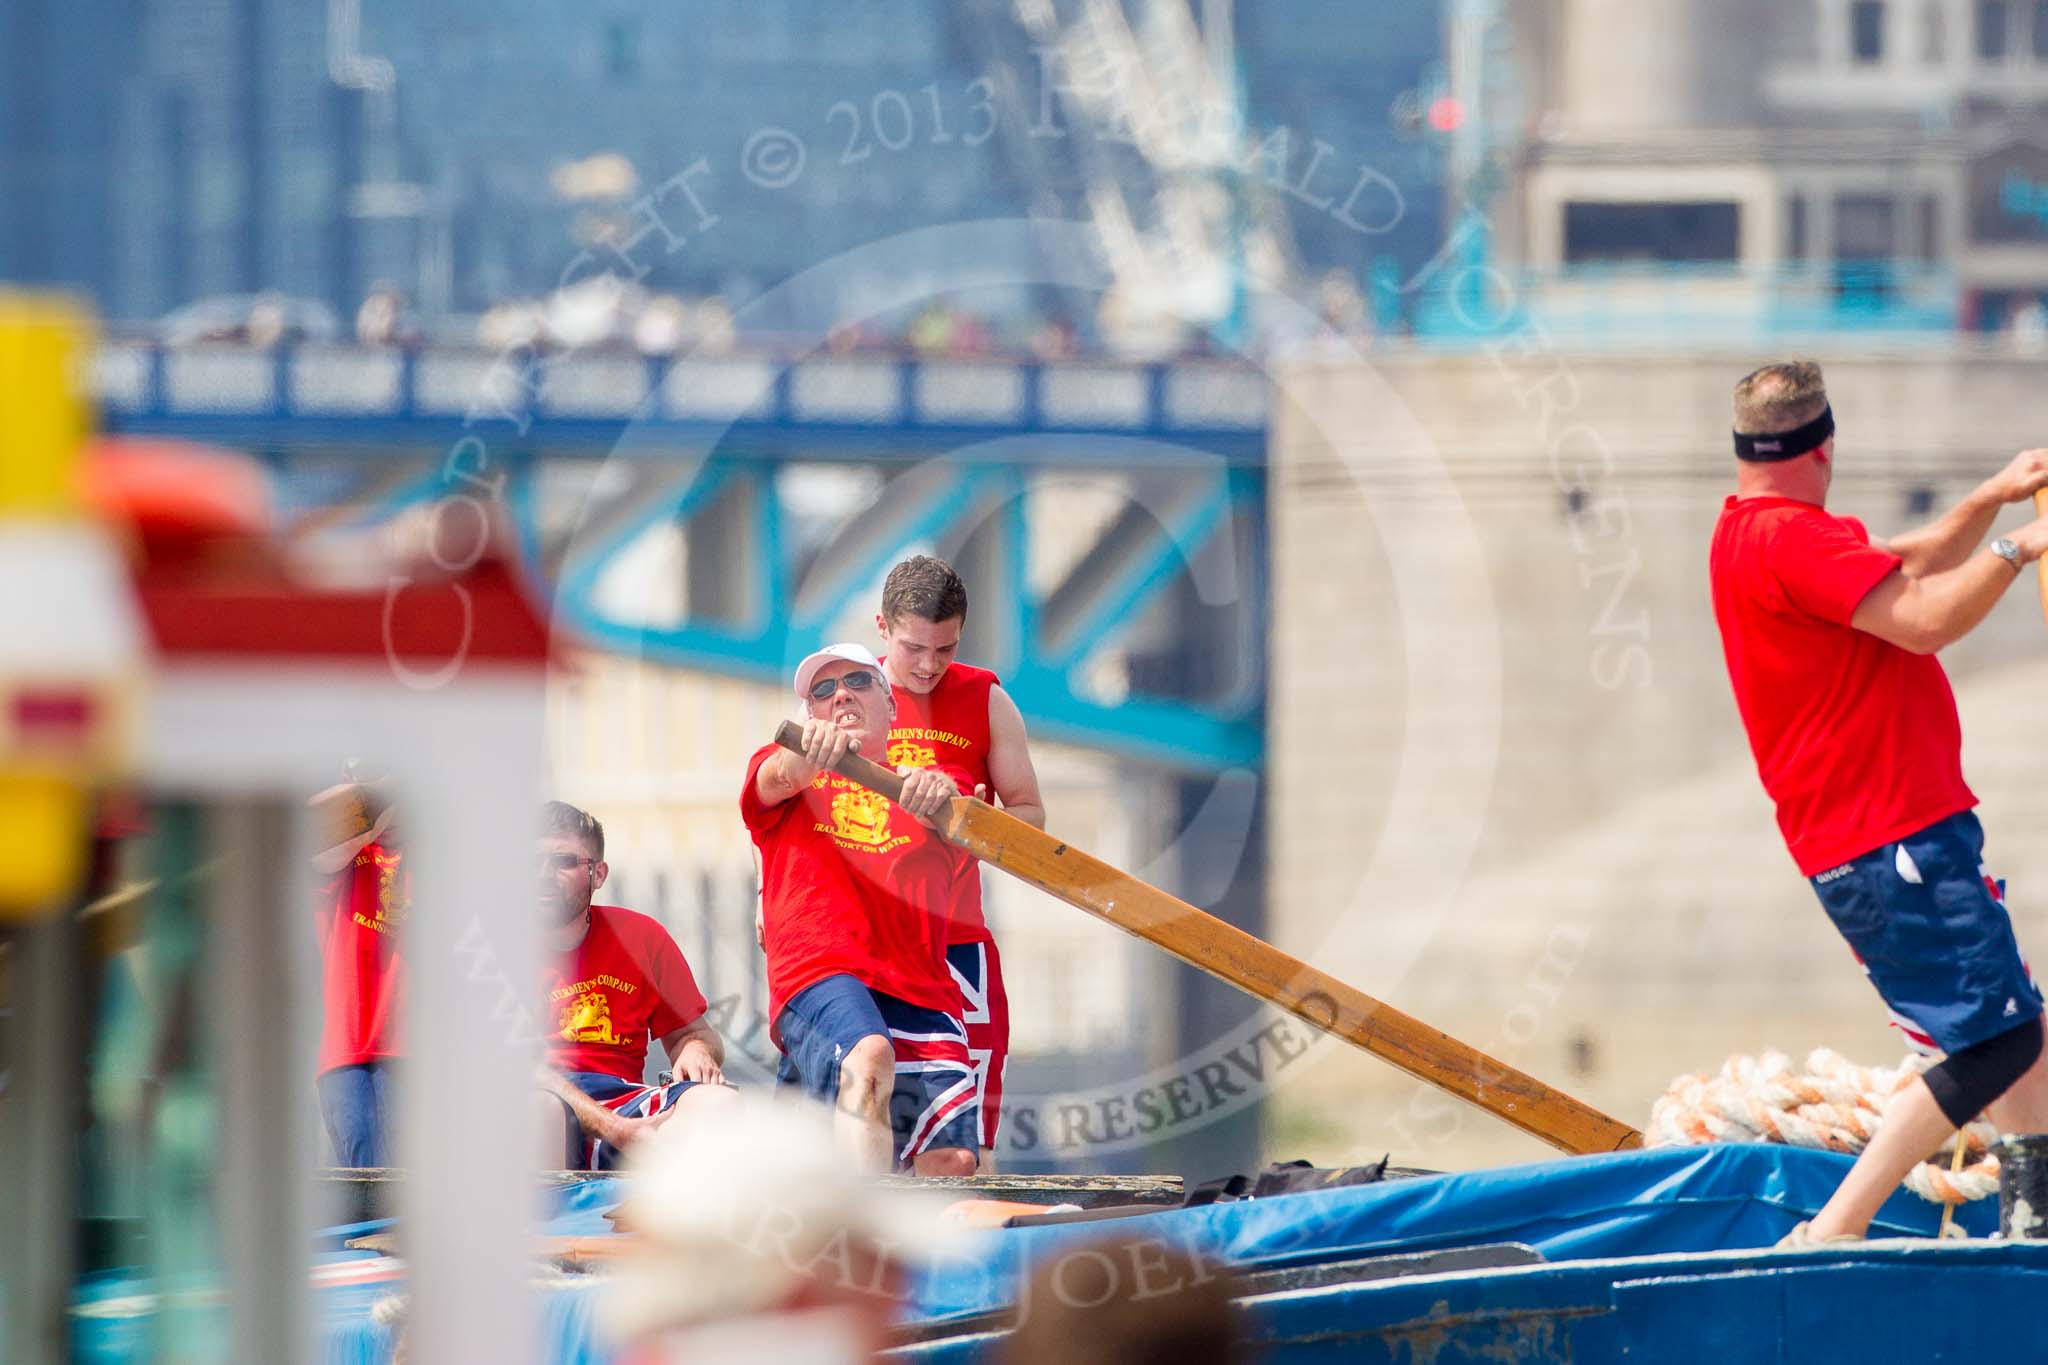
(1795, 228)
(1934, 32)
(1994, 20)
(1702, 232)
(1863, 227)
(1930, 228)
(1866, 31)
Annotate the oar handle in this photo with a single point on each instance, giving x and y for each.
(865, 771)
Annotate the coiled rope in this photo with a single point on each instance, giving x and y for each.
(1833, 1105)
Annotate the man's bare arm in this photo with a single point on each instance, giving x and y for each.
(596, 1121)
(1927, 614)
(696, 1052)
(776, 780)
(1009, 760)
(1946, 542)
(784, 773)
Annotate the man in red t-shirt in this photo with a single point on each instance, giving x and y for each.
(614, 979)
(363, 906)
(951, 713)
(855, 894)
(1830, 641)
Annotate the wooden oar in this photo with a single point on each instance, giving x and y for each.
(1254, 966)
(2041, 510)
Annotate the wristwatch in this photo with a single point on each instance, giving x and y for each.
(2007, 549)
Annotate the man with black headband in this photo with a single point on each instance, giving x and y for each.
(1830, 641)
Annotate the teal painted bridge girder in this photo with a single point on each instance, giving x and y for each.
(793, 606)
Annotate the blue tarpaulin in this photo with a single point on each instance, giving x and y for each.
(1631, 1204)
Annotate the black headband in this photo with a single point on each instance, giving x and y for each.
(1786, 445)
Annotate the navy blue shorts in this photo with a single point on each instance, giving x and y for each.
(935, 1102)
(586, 1153)
(1929, 925)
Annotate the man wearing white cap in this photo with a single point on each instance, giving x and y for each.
(856, 893)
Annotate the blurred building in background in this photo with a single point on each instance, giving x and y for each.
(1862, 164)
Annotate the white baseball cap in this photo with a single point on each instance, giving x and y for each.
(807, 671)
(734, 1209)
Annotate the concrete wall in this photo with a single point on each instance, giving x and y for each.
(1510, 789)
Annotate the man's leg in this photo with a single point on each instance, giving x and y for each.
(1913, 1130)
(944, 1161)
(348, 1105)
(2024, 1108)
(700, 1103)
(834, 1035)
(383, 1099)
(867, 1077)
(558, 1138)
(934, 1112)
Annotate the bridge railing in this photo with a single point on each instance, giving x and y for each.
(140, 382)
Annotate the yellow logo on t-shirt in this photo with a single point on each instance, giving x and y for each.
(905, 754)
(588, 1019)
(391, 899)
(860, 816)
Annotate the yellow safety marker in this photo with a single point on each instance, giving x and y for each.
(45, 344)
(69, 644)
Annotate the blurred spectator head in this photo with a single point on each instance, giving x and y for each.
(267, 324)
(384, 319)
(759, 1240)
(931, 331)
(662, 327)
(1128, 1301)
(1054, 341)
(715, 330)
(512, 325)
(848, 338)
(594, 311)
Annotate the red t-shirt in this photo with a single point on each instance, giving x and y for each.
(1857, 740)
(851, 884)
(624, 983)
(949, 726)
(363, 908)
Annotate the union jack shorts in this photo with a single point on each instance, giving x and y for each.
(936, 1100)
(621, 1097)
(985, 1009)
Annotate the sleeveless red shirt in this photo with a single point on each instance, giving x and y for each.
(949, 725)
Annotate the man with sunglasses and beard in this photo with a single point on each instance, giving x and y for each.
(856, 893)
(615, 979)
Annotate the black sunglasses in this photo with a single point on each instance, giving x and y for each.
(562, 862)
(860, 680)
